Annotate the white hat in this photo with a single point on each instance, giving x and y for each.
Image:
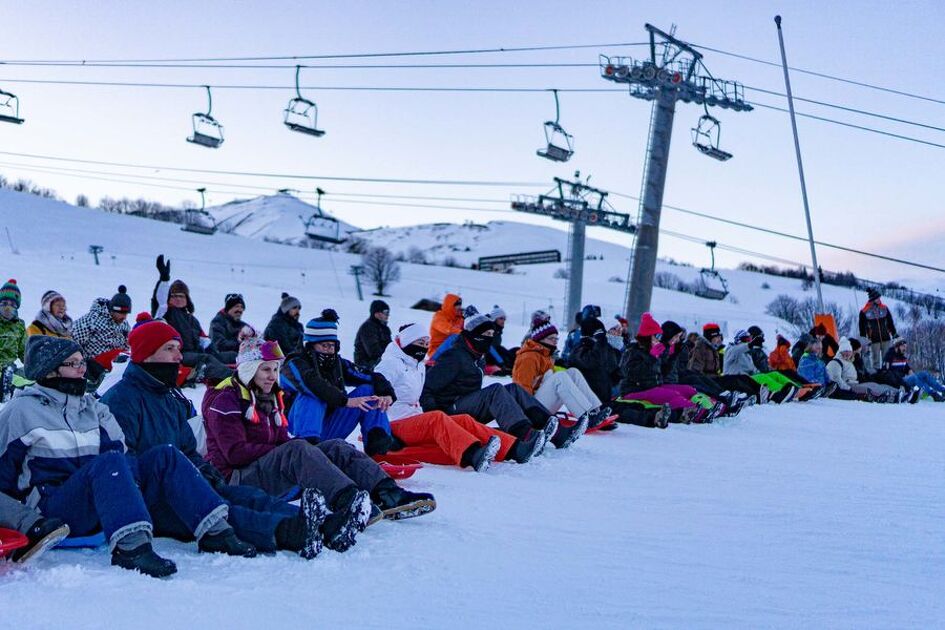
(410, 333)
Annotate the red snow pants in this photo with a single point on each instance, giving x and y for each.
(436, 438)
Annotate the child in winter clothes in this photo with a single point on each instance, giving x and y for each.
(42, 533)
(319, 404)
(248, 441)
(52, 319)
(226, 326)
(63, 451)
(171, 302)
(534, 372)
(454, 385)
(841, 371)
(12, 328)
(446, 321)
(284, 327)
(102, 333)
(434, 436)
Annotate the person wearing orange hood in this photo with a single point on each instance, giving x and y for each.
(446, 322)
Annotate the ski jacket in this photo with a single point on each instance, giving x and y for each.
(180, 319)
(311, 396)
(780, 359)
(705, 358)
(12, 341)
(151, 414)
(639, 369)
(533, 362)
(237, 434)
(738, 360)
(842, 372)
(287, 331)
(372, 339)
(668, 356)
(760, 358)
(43, 325)
(457, 372)
(446, 345)
(498, 354)
(599, 363)
(445, 323)
(46, 436)
(97, 333)
(225, 333)
(897, 363)
(570, 344)
(876, 323)
(813, 370)
(407, 376)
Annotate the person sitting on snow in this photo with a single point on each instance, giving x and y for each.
(814, 370)
(707, 359)
(63, 451)
(739, 361)
(248, 441)
(316, 381)
(574, 337)
(42, 533)
(52, 319)
(841, 371)
(433, 436)
(446, 322)
(534, 372)
(171, 302)
(500, 357)
(152, 411)
(896, 366)
(454, 385)
(102, 333)
(226, 326)
(12, 336)
(373, 337)
(284, 327)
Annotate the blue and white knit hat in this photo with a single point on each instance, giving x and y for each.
(322, 328)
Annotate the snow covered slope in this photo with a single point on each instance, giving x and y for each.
(825, 514)
(279, 217)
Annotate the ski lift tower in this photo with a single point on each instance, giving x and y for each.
(673, 72)
(581, 206)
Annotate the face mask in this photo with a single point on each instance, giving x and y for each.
(549, 346)
(68, 386)
(8, 312)
(165, 373)
(326, 362)
(615, 342)
(415, 352)
(481, 344)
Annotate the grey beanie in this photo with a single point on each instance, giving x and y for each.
(44, 354)
(288, 303)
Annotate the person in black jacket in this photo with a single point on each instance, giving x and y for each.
(285, 327)
(171, 302)
(454, 385)
(499, 356)
(876, 325)
(226, 326)
(373, 337)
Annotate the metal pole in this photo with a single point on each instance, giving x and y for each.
(576, 268)
(800, 167)
(648, 231)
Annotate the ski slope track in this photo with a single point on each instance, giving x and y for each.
(826, 514)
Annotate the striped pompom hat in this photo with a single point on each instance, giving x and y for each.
(322, 328)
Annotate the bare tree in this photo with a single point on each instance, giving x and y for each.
(82, 201)
(381, 268)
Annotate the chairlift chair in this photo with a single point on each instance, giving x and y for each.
(10, 108)
(301, 114)
(322, 227)
(705, 137)
(711, 285)
(560, 144)
(207, 131)
(199, 221)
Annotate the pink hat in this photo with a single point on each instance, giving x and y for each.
(649, 327)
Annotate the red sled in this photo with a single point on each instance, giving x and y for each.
(11, 540)
(401, 471)
(607, 425)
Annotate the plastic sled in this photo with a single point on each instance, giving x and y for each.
(607, 425)
(11, 540)
(83, 542)
(401, 471)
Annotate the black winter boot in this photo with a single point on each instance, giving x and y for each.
(378, 442)
(350, 513)
(479, 456)
(566, 436)
(597, 416)
(45, 534)
(663, 417)
(398, 504)
(143, 559)
(226, 542)
(527, 447)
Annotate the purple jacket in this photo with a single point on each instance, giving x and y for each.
(237, 435)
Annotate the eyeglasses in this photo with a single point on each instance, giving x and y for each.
(75, 365)
(178, 296)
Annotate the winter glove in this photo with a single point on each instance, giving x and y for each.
(164, 268)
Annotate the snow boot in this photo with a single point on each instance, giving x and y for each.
(597, 416)
(829, 390)
(551, 428)
(45, 534)
(764, 395)
(398, 504)
(662, 417)
(786, 395)
(314, 510)
(377, 442)
(527, 447)
(485, 455)
(566, 436)
(6, 383)
(915, 395)
(226, 542)
(143, 560)
(351, 512)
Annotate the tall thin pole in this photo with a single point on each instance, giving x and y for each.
(576, 268)
(800, 167)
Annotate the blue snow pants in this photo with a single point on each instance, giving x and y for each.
(341, 421)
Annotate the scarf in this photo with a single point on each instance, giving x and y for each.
(62, 327)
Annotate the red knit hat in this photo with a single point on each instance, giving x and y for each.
(147, 337)
(710, 328)
(649, 326)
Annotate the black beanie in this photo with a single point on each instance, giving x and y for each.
(121, 301)
(379, 306)
(670, 329)
(232, 299)
(591, 326)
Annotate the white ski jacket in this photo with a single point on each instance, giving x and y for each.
(407, 376)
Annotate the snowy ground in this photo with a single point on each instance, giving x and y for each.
(825, 514)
